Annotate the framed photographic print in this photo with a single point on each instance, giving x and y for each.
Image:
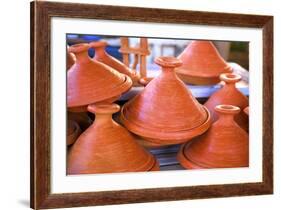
(140, 105)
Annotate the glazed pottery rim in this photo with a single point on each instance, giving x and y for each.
(179, 135)
(120, 89)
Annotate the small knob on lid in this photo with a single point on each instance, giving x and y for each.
(168, 62)
(103, 108)
(230, 77)
(227, 109)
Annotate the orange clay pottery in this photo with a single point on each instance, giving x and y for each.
(202, 64)
(102, 56)
(229, 94)
(89, 81)
(73, 132)
(224, 145)
(165, 112)
(82, 118)
(107, 147)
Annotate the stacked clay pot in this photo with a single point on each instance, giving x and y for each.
(102, 56)
(165, 112)
(224, 145)
(202, 64)
(107, 147)
(230, 95)
(89, 81)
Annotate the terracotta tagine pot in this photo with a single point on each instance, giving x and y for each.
(224, 145)
(229, 94)
(102, 56)
(73, 132)
(165, 112)
(89, 81)
(202, 64)
(107, 147)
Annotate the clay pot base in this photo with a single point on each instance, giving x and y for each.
(165, 138)
(151, 165)
(156, 166)
(189, 164)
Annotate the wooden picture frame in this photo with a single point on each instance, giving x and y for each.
(41, 14)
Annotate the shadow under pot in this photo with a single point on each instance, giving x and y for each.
(165, 112)
(82, 118)
(224, 145)
(107, 147)
(90, 81)
(73, 132)
(230, 95)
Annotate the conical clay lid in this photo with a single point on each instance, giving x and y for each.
(102, 56)
(224, 145)
(107, 147)
(165, 109)
(90, 81)
(230, 95)
(202, 64)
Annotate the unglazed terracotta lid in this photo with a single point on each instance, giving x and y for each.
(230, 95)
(165, 109)
(202, 64)
(102, 56)
(89, 81)
(107, 147)
(224, 145)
